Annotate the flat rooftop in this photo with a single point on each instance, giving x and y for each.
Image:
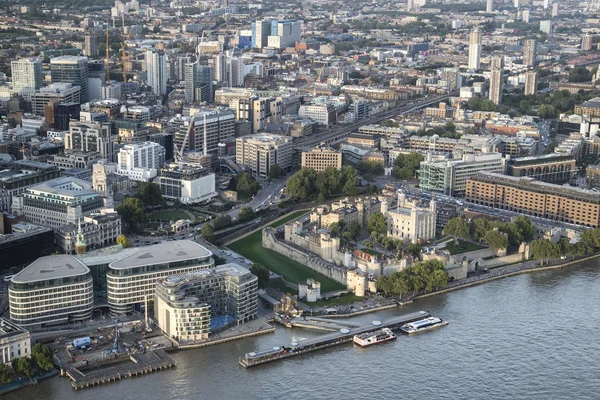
(51, 267)
(66, 186)
(172, 251)
(8, 329)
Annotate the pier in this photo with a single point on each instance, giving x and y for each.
(344, 335)
(120, 368)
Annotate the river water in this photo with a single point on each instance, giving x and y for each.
(532, 336)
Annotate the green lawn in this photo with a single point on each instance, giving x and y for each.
(279, 284)
(463, 247)
(251, 248)
(169, 215)
(337, 301)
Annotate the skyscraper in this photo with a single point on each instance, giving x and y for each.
(204, 92)
(516, 4)
(525, 16)
(89, 45)
(475, 49)
(26, 76)
(180, 68)
(546, 27)
(546, 4)
(191, 81)
(71, 69)
(410, 5)
(530, 83)
(529, 52)
(489, 8)
(156, 66)
(220, 67)
(496, 80)
(260, 33)
(587, 42)
(555, 10)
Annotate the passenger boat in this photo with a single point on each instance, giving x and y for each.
(369, 338)
(423, 325)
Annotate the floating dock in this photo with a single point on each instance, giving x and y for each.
(344, 335)
(120, 368)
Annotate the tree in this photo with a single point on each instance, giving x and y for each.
(245, 185)
(123, 241)
(275, 171)
(246, 214)
(406, 165)
(370, 167)
(5, 374)
(478, 228)
(132, 212)
(377, 224)
(42, 356)
(354, 230)
(222, 222)
(525, 227)
(261, 273)
(496, 240)
(149, 193)
(24, 367)
(334, 229)
(544, 250)
(413, 249)
(207, 232)
(302, 184)
(457, 227)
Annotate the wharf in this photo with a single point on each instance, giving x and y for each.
(120, 368)
(327, 340)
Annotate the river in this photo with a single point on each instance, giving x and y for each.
(532, 336)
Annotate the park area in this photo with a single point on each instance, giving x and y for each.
(169, 215)
(251, 248)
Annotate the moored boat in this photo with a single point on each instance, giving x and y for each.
(423, 325)
(370, 338)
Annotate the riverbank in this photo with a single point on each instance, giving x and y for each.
(517, 269)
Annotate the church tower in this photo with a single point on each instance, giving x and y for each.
(80, 246)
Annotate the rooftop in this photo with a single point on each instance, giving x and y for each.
(51, 267)
(162, 253)
(8, 329)
(66, 186)
(225, 269)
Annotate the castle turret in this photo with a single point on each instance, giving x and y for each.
(80, 246)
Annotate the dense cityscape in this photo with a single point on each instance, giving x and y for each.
(292, 176)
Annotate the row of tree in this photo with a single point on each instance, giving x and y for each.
(309, 184)
(406, 165)
(132, 210)
(422, 276)
(497, 234)
(40, 360)
(245, 185)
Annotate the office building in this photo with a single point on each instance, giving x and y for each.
(530, 83)
(553, 168)
(95, 231)
(15, 342)
(26, 76)
(188, 184)
(156, 67)
(91, 137)
(450, 177)
(529, 52)
(141, 161)
(131, 281)
(260, 152)
(489, 6)
(322, 113)
(587, 42)
(110, 90)
(51, 292)
(321, 158)
(525, 195)
(475, 49)
(546, 27)
(55, 92)
(181, 62)
(284, 34)
(189, 306)
(57, 202)
(220, 67)
(211, 127)
(89, 45)
(497, 80)
(204, 89)
(73, 70)
(260, 34)
(258, 111)
(191, 82)
(590, 107)
(20, 175)
(22, 243)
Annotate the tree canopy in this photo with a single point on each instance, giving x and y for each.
(123, 241)
(496, 240)
(149, 193)
(309, 184)
(262, 273)
(132, 212)
(428, 275)
(275, 171)
(244, 184)
(377, 223)
(406, 165)
(457, 227)
(246, 214)
(207, 232)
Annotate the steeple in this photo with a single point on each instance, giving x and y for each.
(80, 246)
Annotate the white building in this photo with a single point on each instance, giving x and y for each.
(309, 290)
(138, 113)
(410, 222)
(475, 49)
(52, 291)
(141, 161)
(189, 185)
(110, 90)
(132, 280)
(15, 342)
(322, 113)
(61, 92)
(26, 76)
(156, 66)
(260, 152)
(188, 305)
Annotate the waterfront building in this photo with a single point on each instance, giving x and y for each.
(26, 76)
(132, 280)
(52, 291)
(191, 305)
(525, 195)
(73, 70)
(554, 167)
(260, 152)
(450, 176)
(321, 158)
(15, 342)
(57, 202)
(475, 48)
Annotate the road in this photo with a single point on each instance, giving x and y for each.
(268, 194)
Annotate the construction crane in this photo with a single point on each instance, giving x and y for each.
(179, 151)
(115, 348)
(124, 60)
(107, 59)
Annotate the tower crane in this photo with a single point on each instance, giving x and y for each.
(124, 59)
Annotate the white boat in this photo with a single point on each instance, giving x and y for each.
(370, 338)
(423, 325)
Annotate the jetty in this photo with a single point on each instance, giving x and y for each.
(120, 368)
(344, 335)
